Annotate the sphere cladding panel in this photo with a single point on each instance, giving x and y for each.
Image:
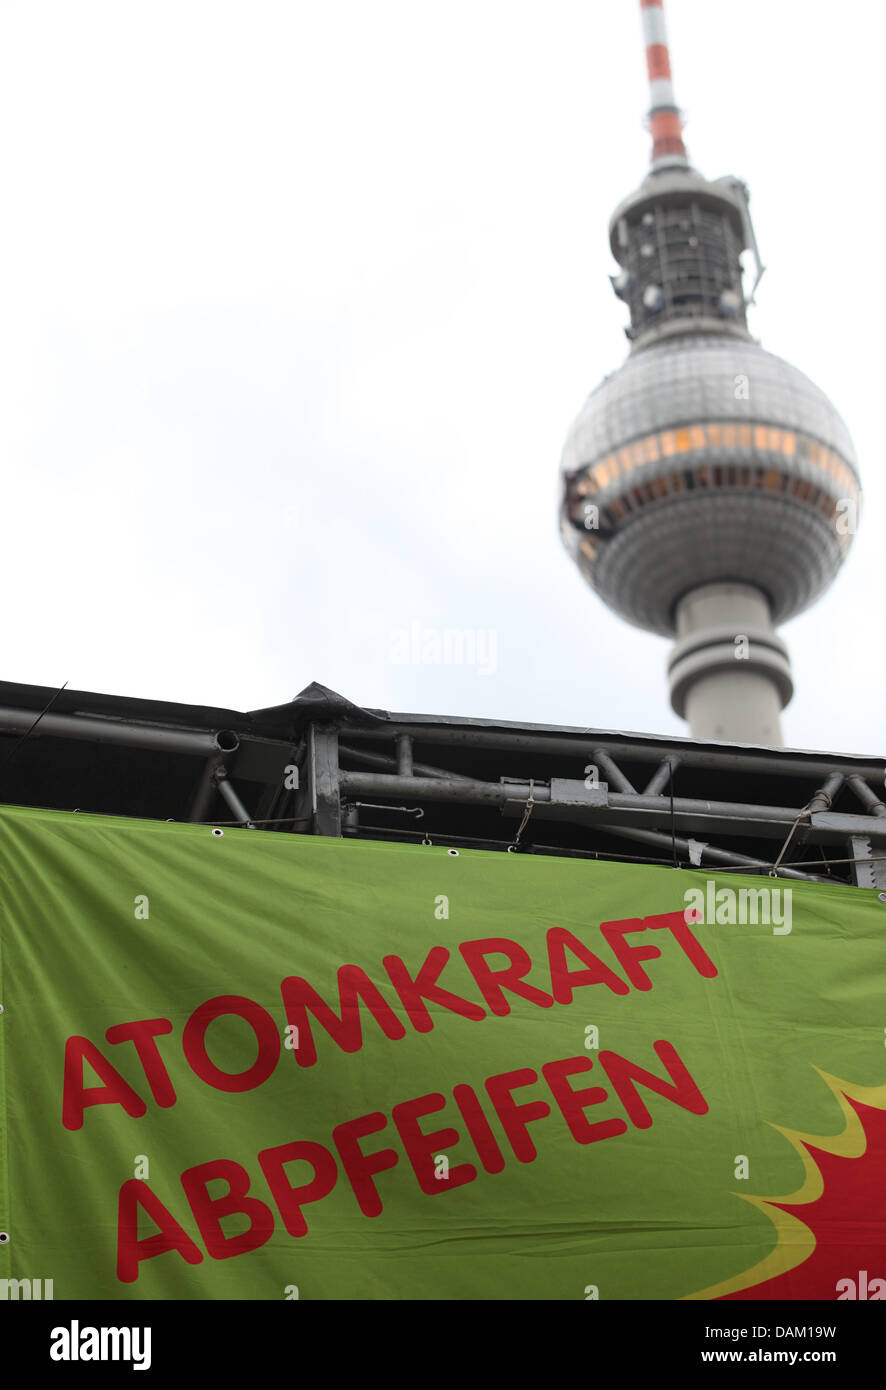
(662, 554)
(682, 380)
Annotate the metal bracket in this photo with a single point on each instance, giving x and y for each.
(220, 777)
(868, 871)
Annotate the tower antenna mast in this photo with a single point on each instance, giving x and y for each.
(665, 117)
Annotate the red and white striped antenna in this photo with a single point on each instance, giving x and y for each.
(665, 116)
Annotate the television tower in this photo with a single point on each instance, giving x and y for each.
(710, 489)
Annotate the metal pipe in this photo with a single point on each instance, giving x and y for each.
(825, 796)
(233, 800)
(662, 776)
(822, 800)
(710, 814)
(710, 810)
(440, 789)
(721, 856)
(206, 785)
(404, 755)
(162, 738)
(386, 763)
(614, 775)
(866, 796)
(497, 794)
(573, 744)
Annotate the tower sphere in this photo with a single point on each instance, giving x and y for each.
(706, 459)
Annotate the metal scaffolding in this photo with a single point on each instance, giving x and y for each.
(322, 765)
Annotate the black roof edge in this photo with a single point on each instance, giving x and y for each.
(317, 703)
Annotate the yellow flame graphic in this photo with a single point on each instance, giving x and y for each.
(796, 1241)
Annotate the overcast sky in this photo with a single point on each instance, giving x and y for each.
(299, 301)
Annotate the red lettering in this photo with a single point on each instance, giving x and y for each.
(76, 1097)
(361, 1167)
(289, 1199)
(208, 1211)
(574, 1103)
(171, 1236)
(259, 1020)
(414, 989)
(615, 933)
(143, 1033)
(564, 982)
(492, 983)
(676, 924)
(623, 1075)
(479, 1128)
(514, 1118)
(346, 1031)
(421, 1148)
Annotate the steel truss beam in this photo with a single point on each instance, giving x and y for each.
(651, 817)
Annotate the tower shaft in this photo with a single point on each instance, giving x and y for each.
(729, 674)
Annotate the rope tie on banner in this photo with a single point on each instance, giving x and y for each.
(806, 811)
(527, 812)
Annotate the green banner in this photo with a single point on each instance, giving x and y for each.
(266, 1066)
